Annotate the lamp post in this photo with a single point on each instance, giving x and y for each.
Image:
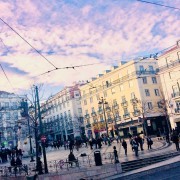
(103, 102)
(41, 129)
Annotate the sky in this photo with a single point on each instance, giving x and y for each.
(77, 32)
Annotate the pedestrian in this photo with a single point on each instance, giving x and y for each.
(39, 166)
(167, 138)
(149, 142)
(18, 161)
(13, 162)
(71, 158)
(116, 160)
(141, 142)
(124, 145)
(135, 146)
(175, 140)
(71, 144)
(91, 143)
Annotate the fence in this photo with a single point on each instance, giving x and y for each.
(57, 166)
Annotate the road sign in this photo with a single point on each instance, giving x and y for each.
(43, 138)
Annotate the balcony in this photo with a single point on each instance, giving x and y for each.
(126, 116)
(146, 72)
(117, 118)
(109, 120)
(100, 111)
(116, 106)
(93, 114)
(124, 103)
(177, 110)
(87, 116)
(88, 126)
(108, 108)
(134, 101)
(175, 94)
(136, 113)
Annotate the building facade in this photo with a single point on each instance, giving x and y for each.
(126, 99)
(11, 133)
(169, 71)
(62, 115)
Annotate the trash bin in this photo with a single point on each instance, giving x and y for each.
(97, 158)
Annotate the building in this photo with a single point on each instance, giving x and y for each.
(169, 71)
(62, 115)
(11, 132)
(126, 99)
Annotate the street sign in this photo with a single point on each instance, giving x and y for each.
(43, 138)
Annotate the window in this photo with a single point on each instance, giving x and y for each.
(105, 93)
(156, 91)
(86, 111)
(151, 69)
(126, 111)
(150, 105)
(147, 92)
(114, 101)
(121, 87)
(132, 95)
(130, 83)
(144, 79)
(15, 115)
(6, 104)
(79, 110)
(154, 80)
(141, 68)
(85, 102)
(93, 109)
(91, 100)
(8, 116)
(123, 98)
(113, 91)
(14, 104)
(97, 96)
(159, 105)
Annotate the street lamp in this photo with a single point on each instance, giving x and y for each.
(103, 102)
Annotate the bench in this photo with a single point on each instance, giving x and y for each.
(76, 162)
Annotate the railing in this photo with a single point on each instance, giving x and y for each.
(167, 66)
(134, 101)
(93, 114)
(116, 106)
(136, 113)
(88, 126)
(100, 111)
(87, 116)
(108, 108)
(124, 103)
(177, 110)
(126, 116)
(175, 94)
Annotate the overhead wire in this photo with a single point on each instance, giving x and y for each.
(158, 4)
(27, 42)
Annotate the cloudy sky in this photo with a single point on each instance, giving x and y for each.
(76, 32)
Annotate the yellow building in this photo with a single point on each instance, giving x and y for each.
(125, 99)
(169, 71)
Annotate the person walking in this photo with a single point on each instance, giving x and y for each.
(141, 142)
(149, 142)
(116, 160)
(135, 146)
(39, 166)
(124, 145)
(175, 139)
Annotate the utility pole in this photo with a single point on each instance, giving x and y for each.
(41, 130)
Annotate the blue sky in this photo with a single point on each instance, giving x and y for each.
(74, 32)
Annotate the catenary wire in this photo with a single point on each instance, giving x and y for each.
(158, 4)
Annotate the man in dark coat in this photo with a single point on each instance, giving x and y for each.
(175, 139)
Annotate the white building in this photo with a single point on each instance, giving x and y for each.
(62, 114)
(169, 71)
(11, 134)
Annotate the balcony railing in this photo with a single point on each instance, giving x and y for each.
(136, 113)
(87, 116)
(126, 116)
(134, 101)
(108, 108)
(124, 103)
(88, 125)
(93, 114)
(177, 110)
(116, 106)
(175, 94)
(100, 111)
